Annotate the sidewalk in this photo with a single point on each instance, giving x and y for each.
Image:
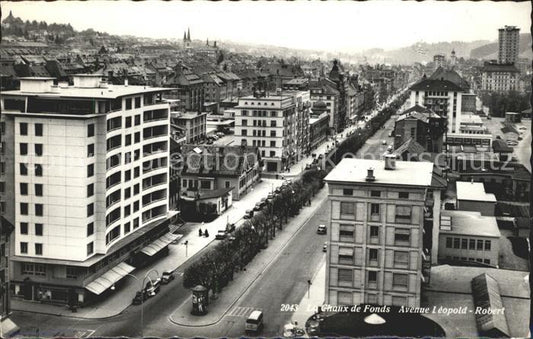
(243, 280)
(121, 298)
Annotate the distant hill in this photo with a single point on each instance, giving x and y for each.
(490, 51)
(421, 52)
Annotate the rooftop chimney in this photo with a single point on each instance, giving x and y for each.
(370, 175)
(390, 161)
(126, 82)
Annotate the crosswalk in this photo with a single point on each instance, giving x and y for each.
(241, 311)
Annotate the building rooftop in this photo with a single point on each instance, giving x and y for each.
(186, 115)
(436, 85)
(406, 173)
(469, 223)
(473, 191)
(496, 67)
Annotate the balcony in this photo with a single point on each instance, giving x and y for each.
(152, 165)
(155, 148)
(155, 132)
(161, 114)
(156, 180)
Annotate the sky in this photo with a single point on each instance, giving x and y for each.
(324, 25)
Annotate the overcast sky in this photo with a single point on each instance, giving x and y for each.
(312, 25)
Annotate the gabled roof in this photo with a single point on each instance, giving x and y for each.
(411, 147)
(494, 67)
(213, 193)
(450, 75)
(486, 293)
(419, 113)
(499, 146)
(436, 85)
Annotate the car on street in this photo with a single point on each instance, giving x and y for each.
(520, 138)
(383, 142)
(220, 134)
(210, 142)
(390, 133)
(322, 229)
(248, 214)
(221, 234)
(139, 298)
(153, 287)
(325, 247)
(167, 277)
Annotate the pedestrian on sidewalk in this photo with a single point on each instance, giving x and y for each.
(206, 233)
(200, 232)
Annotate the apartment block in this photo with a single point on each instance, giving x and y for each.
(86, 185)
(377, 250)
(508, 44)
(269, 123)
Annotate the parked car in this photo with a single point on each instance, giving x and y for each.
(153, 287)
(248, 214)
(383, 142)
(230, 227)
(221, 234)
(210, 142)
(270, 196)
(139, 298)
(325, 247)
(167, 277)
(220, 134)
(520, 138)
(390, 133)
(322, 229)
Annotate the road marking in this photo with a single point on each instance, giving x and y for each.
(241, 311)
(83, 333)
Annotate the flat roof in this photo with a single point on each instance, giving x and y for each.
(111, 92)
(406, 172)
(473, 191)
(471, 223)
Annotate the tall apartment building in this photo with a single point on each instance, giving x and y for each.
(269, 122)
(383, 227)
(302, 101)
(508, 44)
(86, 186)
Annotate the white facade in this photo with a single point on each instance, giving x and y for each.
(101, 171)
(445, 103)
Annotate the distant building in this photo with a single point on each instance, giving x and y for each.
(269, 123)
(384, 223)
(442, 93)
(318, 125)
(471, 196)
(439, 60)
(186, 86)
(508, 44)
(421, 125)
(468, 236)
(193, 125)
(496, 77)
(325, 91)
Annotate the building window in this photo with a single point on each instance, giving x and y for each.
(90, 209)
(38, 150)
(345, 277)
(137, 137)
(471, 244)
(347, 191)
(127, 210)
(128, 139)
(128, 103)
(374, 211)
(23, 148)
(127, 175)
(127, 227)
(23, 128)
(39, 130)
(347, 210)
(372, 277)
(373, 256)
(480, 245)
(27, 268)
(90, 229)
(401, 259)
(136, 172)
(39, 229)
(23, 188)
(128, 122)
(272, 133)
(402, 236)
(449, 242)
(464, 244)
(23, 228)
(24, 208)
(127, 193)
(136, 206)
(487, 245)
(486, 261)
(344, 298)
(135, 223)
(23, 169)
(38, 170)
(376, 194)
(346, 255)
(205, 184)
(346, 233)
(90, 170)
(90, 190)
(137, 102)
(403, 195)
(399, 280)
(456, 242)
(24, 247)
(90, 248)
(39, 190)
(136, 189)
(374, 231)
(90, 130)
(71, 272)
(90, 150)
(39, 210)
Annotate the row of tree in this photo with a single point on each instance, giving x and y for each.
(499, 103)
(216, 268)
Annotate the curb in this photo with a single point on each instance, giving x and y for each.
(249, 285)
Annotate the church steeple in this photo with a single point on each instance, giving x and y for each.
(207, 42)
(184, 36)
(188, 34)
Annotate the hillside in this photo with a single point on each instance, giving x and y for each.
(490, 51)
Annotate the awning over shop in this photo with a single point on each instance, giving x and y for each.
(110, 277)
(160, 243)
